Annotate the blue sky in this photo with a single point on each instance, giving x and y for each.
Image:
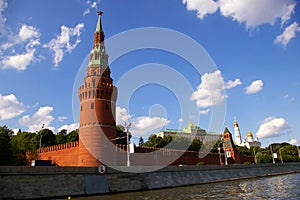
(254, 44)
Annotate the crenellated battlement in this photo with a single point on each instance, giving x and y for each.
(58, 147)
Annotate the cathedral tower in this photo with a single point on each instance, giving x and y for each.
(237, 133)
(97, 96)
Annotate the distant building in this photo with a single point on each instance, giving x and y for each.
(190, 131)
(250, 142)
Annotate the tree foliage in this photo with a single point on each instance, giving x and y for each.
(13, 147)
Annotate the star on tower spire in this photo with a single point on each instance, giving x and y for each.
(99, 23)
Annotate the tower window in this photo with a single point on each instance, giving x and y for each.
(92, 105)
(94, 82)
(106, 106)
(81, 108)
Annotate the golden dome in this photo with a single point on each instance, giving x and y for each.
(250, 134)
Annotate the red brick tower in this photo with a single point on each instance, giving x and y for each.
(97, 96)
(228, 145)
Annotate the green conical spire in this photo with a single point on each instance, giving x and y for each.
(99, 23)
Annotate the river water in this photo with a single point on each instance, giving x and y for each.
(276, 187)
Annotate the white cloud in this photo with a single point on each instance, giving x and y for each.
(293, 141)
(254, 87)
(232, 84)
(61, 118)
(141, 125)
(203, 7)
(25, 34)
(210, 92)
(147, 125)
(272, 127)
(69, 127)
(10, 107)
(42, 116)
(91, 5)
(21, 61)
(251, 12)
(62, 43)
(204, 112)
(288, 34)
(28, 32)
(257, 12)
(122, 116)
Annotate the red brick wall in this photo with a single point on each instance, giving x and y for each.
(62, 154)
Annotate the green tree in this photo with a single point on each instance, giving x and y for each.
(141, 141)
(46, 137)
(121, 135)
(21, 143)
(195, 145)
(157, 142)
(72, 136)
(61, 137)
(5, 146)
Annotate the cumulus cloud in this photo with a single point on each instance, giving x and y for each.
(122, 116)
(293, 141)
(147, 125)
(254, 87)
(257, 12)
(210, 92)
(288, 34)
(91, 5)
(64, 42)
(10, 107)
(69, 127)
(251, 12)
(203, 7)
(272, 127)
(27, 35)
(232, 84)
(142, 125)
(42, 116)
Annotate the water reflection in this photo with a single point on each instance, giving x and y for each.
(278, 187)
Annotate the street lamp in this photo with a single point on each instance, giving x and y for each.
(272, 153)
(127, 126)
(40, 143)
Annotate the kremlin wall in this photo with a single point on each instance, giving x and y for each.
(97, 127)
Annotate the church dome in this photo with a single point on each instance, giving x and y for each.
(250, 134)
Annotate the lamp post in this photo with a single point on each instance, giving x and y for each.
(40, 143)
(281, 155)
(272, 153)
(127, 126)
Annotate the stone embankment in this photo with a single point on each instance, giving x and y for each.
(45, 182)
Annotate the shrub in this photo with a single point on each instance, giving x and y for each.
(200, 163)
(247, 163)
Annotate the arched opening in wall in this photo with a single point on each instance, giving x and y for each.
(93, 81)
(81, 108)
(92, 105)
(106, 105)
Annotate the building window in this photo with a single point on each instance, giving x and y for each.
(92, 105)
(106, 106)
(94, 82)
(81, 108)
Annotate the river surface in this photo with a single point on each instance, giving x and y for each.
(276, 187)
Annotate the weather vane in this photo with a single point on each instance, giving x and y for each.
(100, 13)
